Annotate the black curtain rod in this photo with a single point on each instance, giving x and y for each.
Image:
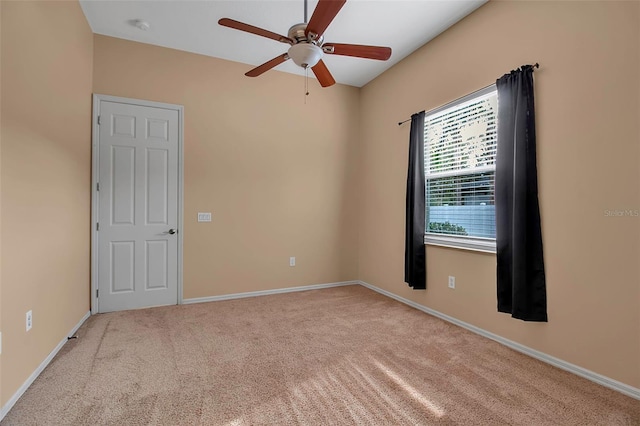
(534, 66)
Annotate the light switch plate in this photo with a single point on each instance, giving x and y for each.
(452, 282)
(204, 217)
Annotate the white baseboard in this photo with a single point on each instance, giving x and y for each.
(266, 292)
(16, 396)
(556, 362)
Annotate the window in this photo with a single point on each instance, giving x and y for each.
(459, 158)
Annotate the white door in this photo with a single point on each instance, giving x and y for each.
(137, 228)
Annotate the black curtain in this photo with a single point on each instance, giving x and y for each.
(521, 277)
(414, 253)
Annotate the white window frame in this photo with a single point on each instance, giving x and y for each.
(486, 245)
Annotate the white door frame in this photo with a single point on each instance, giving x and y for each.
(97, 98)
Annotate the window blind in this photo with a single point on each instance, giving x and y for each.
(460, 151)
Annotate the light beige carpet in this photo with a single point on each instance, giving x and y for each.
(337, 356)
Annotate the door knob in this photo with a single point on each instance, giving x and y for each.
(172, 231)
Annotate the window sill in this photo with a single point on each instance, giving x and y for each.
(473, 244)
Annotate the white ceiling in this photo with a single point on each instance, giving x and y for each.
(192, 26)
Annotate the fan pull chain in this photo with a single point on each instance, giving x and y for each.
(306, 84)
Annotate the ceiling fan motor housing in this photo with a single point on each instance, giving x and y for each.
(298, 35)
(306, 51)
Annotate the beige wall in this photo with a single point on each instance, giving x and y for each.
(275, 172)
(587, 105)
(45, 171)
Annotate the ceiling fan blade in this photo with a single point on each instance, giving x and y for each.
(267, 66)
(325, 12)
(359, 51)
(323, 75)
(236, 25)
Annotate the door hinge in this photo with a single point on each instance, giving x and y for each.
(98, 120)
(97, 226)
(97, 292)
(98, 186)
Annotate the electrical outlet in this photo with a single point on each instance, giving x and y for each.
(292, 261)
(452, 282)
(29, 320)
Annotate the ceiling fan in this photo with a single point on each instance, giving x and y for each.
(307, 42)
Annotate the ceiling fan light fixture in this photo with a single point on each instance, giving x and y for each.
(305, 55)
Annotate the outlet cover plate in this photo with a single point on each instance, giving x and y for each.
(452, 282)
(29, 319)
(204, 217)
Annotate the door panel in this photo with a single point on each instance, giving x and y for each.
(122, 266)
(123, 125)
(137, 206)
(157, 188)
(123, 160)
(157, 264)
(157, 129)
